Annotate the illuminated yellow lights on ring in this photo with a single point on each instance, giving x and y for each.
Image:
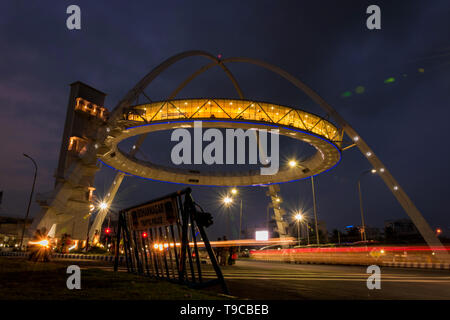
(235, 109)
(223, 113)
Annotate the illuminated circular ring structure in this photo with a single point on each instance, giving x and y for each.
(223, 113)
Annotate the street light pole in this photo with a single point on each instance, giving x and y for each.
(31, 197)
(227, 200)
(315, 209)
(307, 231)
(229, 233)
(240, 229)
(361, 202)
(298, 218)
(293, 164)
(362, 212)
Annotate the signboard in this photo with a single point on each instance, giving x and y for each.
(160, 240)
(154, 214)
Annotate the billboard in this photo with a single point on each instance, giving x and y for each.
(262, 235)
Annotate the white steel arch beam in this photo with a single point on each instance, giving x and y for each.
(152, 75)
(131, 97)
(398, 192)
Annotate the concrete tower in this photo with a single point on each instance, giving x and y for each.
(66, 209)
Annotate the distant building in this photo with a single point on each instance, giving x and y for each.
(321, 225)
(11, 230)
(401, 229)
(373, 233)
(354, 233)
(351, 233)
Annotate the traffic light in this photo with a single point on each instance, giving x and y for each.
(108, 231)
(144, 234)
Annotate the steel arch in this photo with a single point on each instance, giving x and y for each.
(401, 196)
(389, 180)
(133, 94)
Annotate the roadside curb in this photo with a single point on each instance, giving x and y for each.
(68, 256)
(420, 265)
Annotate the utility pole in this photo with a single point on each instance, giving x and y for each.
(29, 202)
(240, 229)
(307, 231)
(363, 234)
(315, 209)
(363, 224)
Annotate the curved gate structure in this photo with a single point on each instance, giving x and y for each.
(130, 118)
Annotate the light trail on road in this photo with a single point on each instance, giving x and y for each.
(275, 280)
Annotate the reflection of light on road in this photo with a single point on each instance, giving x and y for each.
(230, 243)
(409, 256)
(250, 242)
(359, 249)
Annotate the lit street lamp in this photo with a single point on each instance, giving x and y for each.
(227, 200)
(298, 217)
(103, 205)
(29, 202)
(292, 163)
(235, 192)
(373, 171)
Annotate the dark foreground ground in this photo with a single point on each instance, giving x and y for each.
(22, 279)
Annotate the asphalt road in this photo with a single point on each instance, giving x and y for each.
(249, 279)
(264, 280)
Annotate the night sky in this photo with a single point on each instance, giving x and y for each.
(324, 44)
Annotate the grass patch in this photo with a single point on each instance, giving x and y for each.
(21, 279)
